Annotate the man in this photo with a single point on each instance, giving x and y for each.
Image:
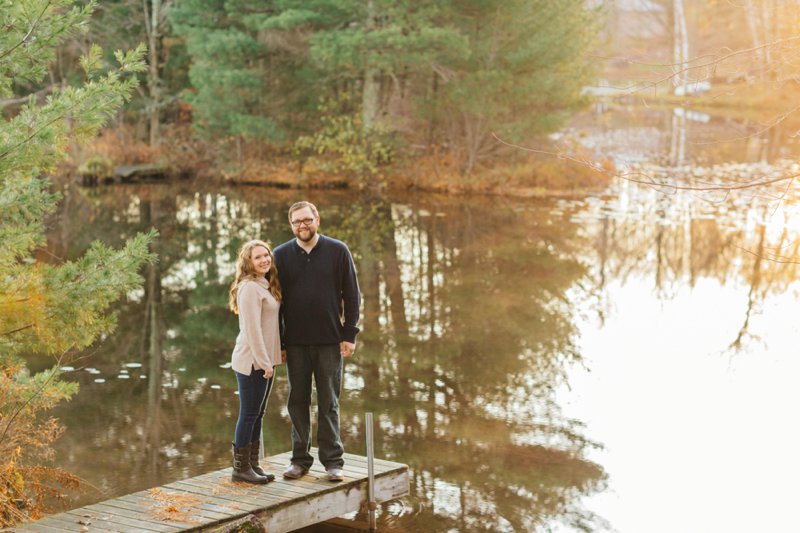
(320, 313)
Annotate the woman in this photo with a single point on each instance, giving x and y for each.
(256, 297)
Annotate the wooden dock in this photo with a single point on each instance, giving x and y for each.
(211, 502)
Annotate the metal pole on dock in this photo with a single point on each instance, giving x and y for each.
(371, 474)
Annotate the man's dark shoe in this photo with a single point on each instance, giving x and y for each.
(335, 474)
(295, 472)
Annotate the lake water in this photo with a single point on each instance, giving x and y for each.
(618, 362)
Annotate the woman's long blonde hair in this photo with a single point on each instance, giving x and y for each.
(246, 271)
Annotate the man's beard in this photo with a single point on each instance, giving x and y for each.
(311, 233)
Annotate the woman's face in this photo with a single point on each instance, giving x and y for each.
(261, 260)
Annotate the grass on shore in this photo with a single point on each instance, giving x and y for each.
(514, 174)
(761, 102)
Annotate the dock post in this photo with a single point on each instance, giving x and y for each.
(371, 474)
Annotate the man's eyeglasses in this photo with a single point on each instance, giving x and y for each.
(305, 222)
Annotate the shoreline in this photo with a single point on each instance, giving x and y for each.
(517, 175)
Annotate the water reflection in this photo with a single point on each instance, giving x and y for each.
(472, 321)
(675, 240)
(468, 359)
(466, 331)
(677, 136)
(690, 344)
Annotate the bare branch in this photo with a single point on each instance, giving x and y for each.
(771, 259)
(769, 126)
(629, 176)
(11, 332)
(710, 60)
(32, 396)
(23, 99)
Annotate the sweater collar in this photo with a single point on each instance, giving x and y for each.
(317, 246)
(261, 281)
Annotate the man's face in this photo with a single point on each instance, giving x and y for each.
(304, 224)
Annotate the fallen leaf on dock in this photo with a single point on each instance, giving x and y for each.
(173, 507)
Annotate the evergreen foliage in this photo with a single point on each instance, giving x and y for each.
(231, 69)
(527, 62)
(446, 73)
(48, 308)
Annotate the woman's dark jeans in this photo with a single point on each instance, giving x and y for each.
(253, 395)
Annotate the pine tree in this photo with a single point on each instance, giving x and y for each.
(522, 74)
(445, 72)
(46, 308)
(231, 69)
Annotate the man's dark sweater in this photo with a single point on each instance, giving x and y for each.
(319, 288)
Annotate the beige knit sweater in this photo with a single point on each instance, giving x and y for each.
(258, 344)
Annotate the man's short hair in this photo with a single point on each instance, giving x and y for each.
(300, 205)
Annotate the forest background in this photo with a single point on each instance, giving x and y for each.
(414, 95)
(335, 92)
(363, 94)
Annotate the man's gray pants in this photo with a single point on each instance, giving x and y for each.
(324, 363)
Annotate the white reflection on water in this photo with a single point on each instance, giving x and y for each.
(198, 212)
(697, 437)
(419, 255)
(651, 362)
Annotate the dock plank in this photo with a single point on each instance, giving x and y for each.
(117, 508)
(212, 499)
(42, 528)
(197, 511)
(116, 522)
(70, 522)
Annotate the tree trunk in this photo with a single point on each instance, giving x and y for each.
(153, 340)
(768, 32)
(153, 27)
(433, 109)
(370, 95)
(370, 283)
(677, 148)
(753, 24)
(681, 44)
(755, 284)
(394, 280)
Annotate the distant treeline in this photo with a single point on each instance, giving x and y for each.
(349, 85)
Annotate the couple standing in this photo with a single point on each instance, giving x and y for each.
(308, 290)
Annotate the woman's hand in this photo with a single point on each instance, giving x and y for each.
(268, 373)
(283, 357)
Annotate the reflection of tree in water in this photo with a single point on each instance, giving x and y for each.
(132, 429)
(466, 331)
(768, 268)
(466, 334)
(689, 240)
(170, 424)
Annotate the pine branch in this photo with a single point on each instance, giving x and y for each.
(27, 35)
(13, 331)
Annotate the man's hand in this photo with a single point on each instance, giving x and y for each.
(283, 357)
(268, 373)
(347, 348)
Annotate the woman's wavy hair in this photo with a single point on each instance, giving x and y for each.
(246, 271)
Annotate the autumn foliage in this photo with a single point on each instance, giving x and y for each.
(46, 308)
(27, 485)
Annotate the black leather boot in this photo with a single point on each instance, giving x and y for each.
(241, 467)
(254, 457)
